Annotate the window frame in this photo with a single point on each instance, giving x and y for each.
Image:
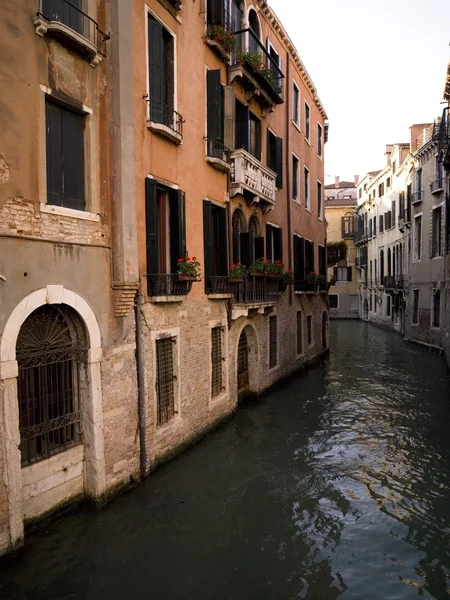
(440, 245)
(296, 106)
(222, 324)
(299, 339)
(435, 292)
(319, 141)
(417, 256)
(337, 301)
(297, 180)
(174, 334)
(310, 330)
(307, 114)
(319, 198)
(271, 343)
(307, 188)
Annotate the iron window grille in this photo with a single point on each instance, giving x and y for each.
(299, 333)
(49, 355)
(436, 308)
(216, 362)
(309, 329)
(165, 378)
(415, 312)
(273, 342)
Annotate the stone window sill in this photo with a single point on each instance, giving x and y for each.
(166, 299)
(62, 211)
(165, 131)
(218, 164)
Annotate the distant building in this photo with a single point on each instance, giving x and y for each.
(340, 208)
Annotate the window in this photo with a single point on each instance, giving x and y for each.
(296, 104)
(415, 307)
(319, 200)
(388, 306)
(381, 223)
(65, 157)
(165, 378)
(69, 14)
(48, 384)
(295, 178)
(393, 208)
(275, 156)
(388, 183)
(166, 234)
(307, 122)
(334, 300)
(221, 105)
(419, 183)
(218, 14)
(343, 273)
(274, 243)
(382, 267)
(322, 260)
(436, 312)
(360, 193)
(306, 185)
(436, 234)
(215, 243)
(309, 330)
(248, 131)
(418, 237)
(380, 190)
(216, 361)
(161, 74)
(309, 256)
(273, 342)
(370, 302)
(299, 261)
(299, 333)
(319, 139)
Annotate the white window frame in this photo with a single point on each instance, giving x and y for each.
(296, 123)
(442, 242)
(416, 218)
(299, 194)
(307, 180)
(307, 123)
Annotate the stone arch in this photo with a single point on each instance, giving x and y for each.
(253, 363)
(94, 476)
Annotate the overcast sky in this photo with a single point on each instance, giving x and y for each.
(378, 67)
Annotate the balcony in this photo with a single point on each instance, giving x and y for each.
(166, 288)
(219, 287)
(361, 261)
(303, 286)
(165, 121)
(361, 237)
(218, 155)
(444, 139)
(393, 284)
(255, 293)
(417, 197)
(250, 177)
(437, 186)
(72, 27)
(257, 70)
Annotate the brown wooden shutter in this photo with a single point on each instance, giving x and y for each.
(151, 224)
(229, 118)
(214, 105)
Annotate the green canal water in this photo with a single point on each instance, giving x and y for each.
(335, 485)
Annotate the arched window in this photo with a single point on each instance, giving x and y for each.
(253, 23)
(238, 227)
(382, 267)
(254, 227)
(50, 353)
(348, 227)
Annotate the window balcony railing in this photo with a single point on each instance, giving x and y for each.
(254, 64)
(159, 285)
(249, 175)
(64, 21)
(218, 285)
(217, 154)
(393, 283)
(303, 285)
(416, 197)
(165, 121)
(257, 290)
(361, 237)
(361, 262)
(437, 185)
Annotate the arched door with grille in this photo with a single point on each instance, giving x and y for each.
(49, 353)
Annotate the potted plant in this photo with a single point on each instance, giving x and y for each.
(219, 34)
(331, 282)
(256, 63)
(260, 267)
(188, 269)
(235, 273)
(312, 279)
(288, 279)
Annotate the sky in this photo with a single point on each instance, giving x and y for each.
(379, 67)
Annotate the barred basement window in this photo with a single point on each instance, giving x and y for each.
(299, 333)
(165, 380)
(216, 361)
(273, 349)
(309, 329)
(415, 312)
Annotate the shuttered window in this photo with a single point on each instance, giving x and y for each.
(307, 188)
(221, 103)
(165, 227)
(273, 342)
(322, 261)
(319, 200)
(248, 131)
(299, 260)
(309, 257)
(309, 329)
(161, 73)
(65, 157)
(275, 156)
(295, 178)
(307, 121)
(68, 13)
(274, 243)
(215, 241)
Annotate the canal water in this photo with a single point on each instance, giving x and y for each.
(335, 485)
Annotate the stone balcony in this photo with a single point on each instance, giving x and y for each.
(250, 178)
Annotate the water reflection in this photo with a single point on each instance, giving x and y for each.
(335, 485)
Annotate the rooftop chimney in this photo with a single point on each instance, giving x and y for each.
(356, 180)
(336, 182)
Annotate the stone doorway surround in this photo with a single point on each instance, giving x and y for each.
(92, 414)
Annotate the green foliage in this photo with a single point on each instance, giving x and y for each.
(336, 251)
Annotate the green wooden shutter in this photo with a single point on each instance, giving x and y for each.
(156, 65)
(54, 154)
(279, 162)
(222, 245)
(243, 115)
(269, 234)
(177, 228)
(214, 105)
(152, 229)
(73, 159)
(207, 237)
(229, 118)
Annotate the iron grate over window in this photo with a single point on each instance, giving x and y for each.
(299, 333)
(165, 380)
(273, 342)
(309, 329)
(216, 361)
(49, 356)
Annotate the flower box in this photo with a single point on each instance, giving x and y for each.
(182, 277)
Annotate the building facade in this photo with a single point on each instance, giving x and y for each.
(185, 130)
(340, 209)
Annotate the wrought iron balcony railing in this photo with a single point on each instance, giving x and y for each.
(437, 185)
(257, 290)
(393, 283)
(218, 285)
(215, 149)
(417, 197)
(166, 121)
(249, 174)
(219, 14)
(61, 18)
(257, 61)
(167, 285)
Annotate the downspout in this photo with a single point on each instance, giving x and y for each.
(288, 170)
(141, 386)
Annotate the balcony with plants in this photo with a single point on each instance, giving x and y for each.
(257, 69)
(221, 40)
(64, 21)
(172, 287)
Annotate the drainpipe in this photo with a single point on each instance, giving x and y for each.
(141, 386)
(288, 170)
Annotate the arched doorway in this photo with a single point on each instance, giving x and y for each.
(51, 354)
(243, 375)
(365, 310)
(324, 330)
